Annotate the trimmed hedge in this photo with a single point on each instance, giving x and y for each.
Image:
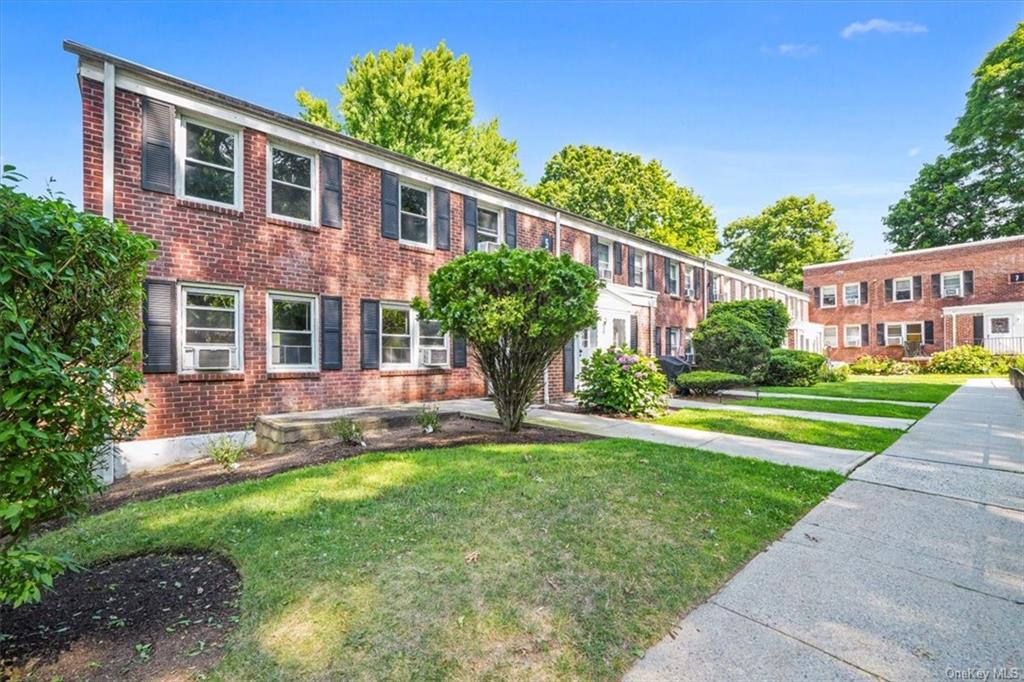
(787, 367)
(768, 315)
(880, 365)
(710, 383)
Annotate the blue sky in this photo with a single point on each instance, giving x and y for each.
(746, 103)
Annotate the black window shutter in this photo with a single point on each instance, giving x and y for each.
(511, 229)
(157, 146)
(330, 190)
(651, 285)
(937, 285)
(918, 288)
(158, 338)
(569, 366)
(469, 223)
(442, 219)
(370, 324)
(888, 290)
(968, 282)
(330, 332)
(634, 332)
(979, 330)
(666, 264)
(817, 296)
(388, 205)
(594, 258)
(617, 248)
(668, 346)
(865, 340)
(632, 268)
(698, 283)
(880, 334)
(657, 341)
(863, 293)
(929, 331)
(459, 356)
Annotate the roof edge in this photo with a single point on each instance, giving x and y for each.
(899, 254)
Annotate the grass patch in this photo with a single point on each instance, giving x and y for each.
(922, 388)
(794, 429)
(477, 562)
(879, 409)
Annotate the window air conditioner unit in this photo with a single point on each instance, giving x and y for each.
(688, 293)
(207, 358)
(894, 341)
(433, 357)
(605, 274)
(489, 247)
(951, 291)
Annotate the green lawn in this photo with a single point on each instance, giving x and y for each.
(879, 409)
(794, 429)
(479, 562)
(922, 388)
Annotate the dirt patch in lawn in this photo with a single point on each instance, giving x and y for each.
(204, 473)
(147, 617)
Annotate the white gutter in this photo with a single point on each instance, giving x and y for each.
(109, 86)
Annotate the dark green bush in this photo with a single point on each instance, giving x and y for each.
(622, 381)
(768, 315)
(727, 343)
(710, 383)
(787, 367)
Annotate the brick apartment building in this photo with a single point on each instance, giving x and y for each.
(288, 255)
(912, 304)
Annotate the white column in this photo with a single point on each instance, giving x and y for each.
(108, 140)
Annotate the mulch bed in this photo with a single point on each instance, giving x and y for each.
(204, 473)
(147, 617)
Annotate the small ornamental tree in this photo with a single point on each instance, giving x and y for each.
(728, 343)
(516, 309)
(70, 297)
(768, 315)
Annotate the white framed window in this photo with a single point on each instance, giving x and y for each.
(851, 294)
(210, 324)
(291, 190)
(851, 336)
(488, 226)
(672, 340)
(604, 260)
(415, 204)
(999, 326)
(828, 296)
(408, 342)
(903, 289)
(619, 337)
(639, 268)
(830, 337)
(209, 163)
(952, 284)
(688, 279)
(689, 355)
(292, 330)
(672, 278)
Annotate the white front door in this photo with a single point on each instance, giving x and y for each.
(586, 344)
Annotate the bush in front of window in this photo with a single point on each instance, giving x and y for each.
(622, 381)
(516, 310)
(787, 367)
(880, 365)
(768, 315)
(70, 295)
(728, 343)
(962, 360)
(704, 383)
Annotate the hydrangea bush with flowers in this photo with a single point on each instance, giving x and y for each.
(622, 381)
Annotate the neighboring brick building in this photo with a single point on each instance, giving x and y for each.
(911, 304)
(288, 255)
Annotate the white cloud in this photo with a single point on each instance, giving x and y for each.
(795, 50)
(882, 26)
(913, 151)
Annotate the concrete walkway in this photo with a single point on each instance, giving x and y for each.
(742, 393)
(781, 452)
(860, 420)
(913, 569)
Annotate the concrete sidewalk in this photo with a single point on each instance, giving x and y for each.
(781, 452)
(743, 393)
(860, 420)
(911, 570)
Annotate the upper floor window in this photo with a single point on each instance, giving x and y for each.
(415, 211)
(639, 269)
(488, 226)
(672, 278)
(291, 184)
(604, 258)
(903, 289)
(851, 294)
(292, 330)
(211, 323)
(828, 296)
(952, 283)
(209, 164)
(688, 279)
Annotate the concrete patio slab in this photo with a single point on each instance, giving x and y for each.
(976, 484)
(880, 422)
(741, 393)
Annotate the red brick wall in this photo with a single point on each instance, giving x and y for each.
(992, 263)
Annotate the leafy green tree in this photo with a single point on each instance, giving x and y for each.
(516, 310)
(728, 343)
(768, 315)
(976, 191)
(624, 191)
(70, 296)
(791, 233)
(419, 108)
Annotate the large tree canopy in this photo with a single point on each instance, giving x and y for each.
(791, 233)
(623, 190)
(976, 191)
(419, 108)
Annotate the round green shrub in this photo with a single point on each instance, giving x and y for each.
(622, 381)
(768, 315)
(710, 383)
(787, 367)
(727, 343)
(835, 375)
(962, 360)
